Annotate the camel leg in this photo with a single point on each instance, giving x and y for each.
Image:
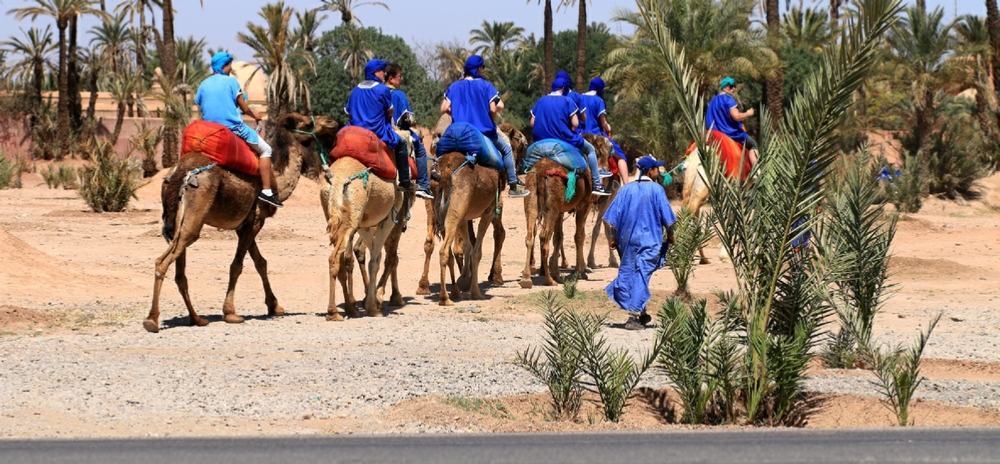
(337, 263)
(180, 278)
(175, 249)
(359, 255)
(477, 255)
(246, 236)
(547, 258)
(531, 216)
(423, 288)
(580, 236)
(563, 262)
(377, 248)
(273, 308)
(499, 235)
(694, 204)
(594, 234)
(390, 266)
(446, 259)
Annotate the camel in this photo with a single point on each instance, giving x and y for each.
(544, 211)
(519, 145)
(466, 191)
(611, 184)
(370, 206)
(193, 197)
(695, 194)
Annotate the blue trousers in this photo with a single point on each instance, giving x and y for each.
(590, 153)
(421, 157)
(508, 157)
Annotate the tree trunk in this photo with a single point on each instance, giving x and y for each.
(774, 84)
(92, 103)
(924, 120)
(36, 91)
(993, 25)
(168, 63)
(119, 119)
(550, 65)
(922, 6)
(834, 14)
(581, 48)
(73, 79)
(62, 113)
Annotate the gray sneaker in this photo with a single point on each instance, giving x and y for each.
(517, 192)
(424, 194)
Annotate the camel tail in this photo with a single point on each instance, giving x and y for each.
(441, 204)
(173, 205)
(342, 202)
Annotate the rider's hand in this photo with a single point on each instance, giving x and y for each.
(750, 112)
(260, 125)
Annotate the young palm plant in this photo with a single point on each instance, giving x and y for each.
(557, 363)
(855, 251)
(759, 220)
(691, 233)
(898, 374)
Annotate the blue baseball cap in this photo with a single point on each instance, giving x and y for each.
(648, 162)
(727, 82)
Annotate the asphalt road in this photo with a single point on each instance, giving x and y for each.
(730, 446)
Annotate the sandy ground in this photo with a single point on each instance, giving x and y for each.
(75, 361)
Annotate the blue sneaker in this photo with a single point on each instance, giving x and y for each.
(604, 174)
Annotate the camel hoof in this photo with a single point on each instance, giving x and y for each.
(591, 264)
(464, 283)
(351, 310)
(423, 290)
(445, 302)
(151, 326)
(613, 264)
(230, 318)
(477, 297)
(277, 311)
(525, 283)
(456, 296)
(334, 317)
(374, 313)
(581, 275)
(704, 261)
(396, 300)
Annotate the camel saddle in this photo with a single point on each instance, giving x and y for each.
(220, 145)
(464, 138)
(363, 145)
(730, 153)
(557, 150)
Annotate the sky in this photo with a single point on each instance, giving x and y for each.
(419, 22)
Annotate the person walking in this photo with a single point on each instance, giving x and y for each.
(639, 215)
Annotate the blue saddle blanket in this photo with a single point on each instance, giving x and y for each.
(561, 152)
(466, 139)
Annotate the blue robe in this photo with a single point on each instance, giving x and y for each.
(638, 213)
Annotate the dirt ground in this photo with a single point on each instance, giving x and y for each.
(67, 274)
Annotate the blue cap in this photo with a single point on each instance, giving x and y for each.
(472, 65)
(727, 82)
(560, 83)
(373, 66)
(648, 162)
(220, 60)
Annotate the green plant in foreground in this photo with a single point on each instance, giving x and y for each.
(898, 374)
(569, 287)
(855, 250)
(10, 173)
(701, 361)
(108, 183)
(690, 233)
(558, 362)
(613, 373)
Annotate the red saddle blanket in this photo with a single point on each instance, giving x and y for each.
(220, 145)
(364, 146)
(730, 152)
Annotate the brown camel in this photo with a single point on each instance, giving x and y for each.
(467, 191)
(358, 202)
(544, 211)
(225, 199)
(519, 145)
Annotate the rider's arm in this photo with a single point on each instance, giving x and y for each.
(574, 121)
(446, 106)
(532, 120)
(242, 104)
(605, 125)
(740, 116)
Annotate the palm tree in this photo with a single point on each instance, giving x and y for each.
(921, 43)
(775, 82)
(191, 66)
(549, 65)
(64, 12)
(974, 43)
(36, 52)
(581, 42)
(346, 8)
(141, 32)
(276, 52)
(493, 39)
(355, 53)
(121, 85)
(93, 63)
(111, 39)
(993, 26)
(308, 30)
(450, 61)
(807, 29)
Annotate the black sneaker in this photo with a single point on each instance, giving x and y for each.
(269, 199)
(424, 194)
(600, 191)
(633, 323)
(407, 186)
(520, 184)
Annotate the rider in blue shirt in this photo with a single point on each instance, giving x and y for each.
(220, 101)
(597, 122)
(555, 117)
(577, 98)
(476, 101)
(724, 115)
(404, 118)
(370, 107)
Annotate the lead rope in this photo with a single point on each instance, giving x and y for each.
(322, 153)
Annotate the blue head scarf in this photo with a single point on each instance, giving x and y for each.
(565, 75)
(597, 85)
(472, 66)
(220, 60)
(372, 67)
(561, 84)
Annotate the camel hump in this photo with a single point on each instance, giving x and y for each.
(558, 151)
(364, 146)
(464, 138)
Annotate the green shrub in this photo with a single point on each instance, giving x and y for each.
(108, 183)
(690, 234)
(958, 157)
(10, 172)
(855, 252)
(569, 287)
(904, 188)
(146, 140)
(558, 363)
(898, 374)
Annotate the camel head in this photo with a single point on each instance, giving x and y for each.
(302, 128)
(603, 147)
(518, 142)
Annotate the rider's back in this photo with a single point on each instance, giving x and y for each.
(717, 117)
(470, 103)
(367, 107)
(552, 120)
(595, 108)
(216, 98)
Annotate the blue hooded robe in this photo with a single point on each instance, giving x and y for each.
(638, 213)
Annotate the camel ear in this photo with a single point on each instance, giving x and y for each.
(294, 121)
